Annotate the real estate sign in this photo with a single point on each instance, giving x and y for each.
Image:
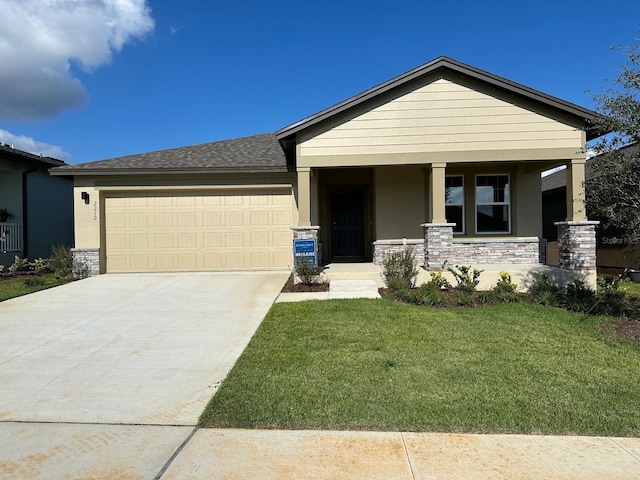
(305, 248)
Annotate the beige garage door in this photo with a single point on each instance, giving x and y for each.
(236, 230)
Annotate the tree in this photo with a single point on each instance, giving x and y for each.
(613, 181)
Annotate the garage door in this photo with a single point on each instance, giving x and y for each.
(236, 230)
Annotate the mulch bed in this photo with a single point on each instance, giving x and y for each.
(628, 329)
(290, 286)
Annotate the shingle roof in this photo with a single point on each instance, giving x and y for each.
(559, 179)
(256, 153)
(7, 151)
(448, 64)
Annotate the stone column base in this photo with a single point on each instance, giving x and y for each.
(438, 244)
(86, 262)
(577, 245)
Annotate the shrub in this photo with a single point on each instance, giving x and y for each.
(400, 269)
(19, 264)
(579, 297)
(41, 265)
(430, 294)
(545, 298)
(437, 278)
(465, 298)
(543, 284)
(308, 274)
(61, 261)
(467, 279)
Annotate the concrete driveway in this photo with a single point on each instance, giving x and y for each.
(88, 363)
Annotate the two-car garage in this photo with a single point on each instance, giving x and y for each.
(198, 231)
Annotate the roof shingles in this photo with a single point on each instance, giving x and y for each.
(255, 153)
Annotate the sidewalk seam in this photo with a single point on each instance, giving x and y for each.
(406, 451)
(175, 454)
(627, 451)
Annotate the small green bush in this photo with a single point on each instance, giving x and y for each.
(543, 284)
(579, 297)
(430, 294)
(19, 265)
(465, 298)
(61, 261)
(437, 277)
(400, 270)
(467, 279)
(546, 298)
(308, 274)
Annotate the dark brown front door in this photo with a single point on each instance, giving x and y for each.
(347, 225)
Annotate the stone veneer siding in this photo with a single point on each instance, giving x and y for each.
(86, 262)
(384, 247)
(577, 245)
(497, 250)
(438, 243)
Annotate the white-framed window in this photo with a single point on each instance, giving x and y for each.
(493, 213)
(454, 201)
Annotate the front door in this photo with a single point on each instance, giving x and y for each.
(347, 225)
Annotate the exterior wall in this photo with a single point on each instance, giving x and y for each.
(527, 205)
(89, 230)
(50, 213)
(452, 121)
(521, 250)
(382, 248)
(400, 203)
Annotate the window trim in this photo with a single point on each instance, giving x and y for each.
(508, 203)
(462, 205)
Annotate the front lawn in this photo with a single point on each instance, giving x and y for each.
(16, 286)
(384, 365)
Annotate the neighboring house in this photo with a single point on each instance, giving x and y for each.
(613, 253)
(445, 158)
(41, 205)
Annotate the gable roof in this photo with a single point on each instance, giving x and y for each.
(444, 64)
(8, 152)
(258, 153)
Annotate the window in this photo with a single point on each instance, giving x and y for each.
(454, 201)
(492, 204)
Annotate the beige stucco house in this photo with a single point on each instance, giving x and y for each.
(445, 158)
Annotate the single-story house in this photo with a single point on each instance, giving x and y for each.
(445, 158)
(614, 252)
(40, 206)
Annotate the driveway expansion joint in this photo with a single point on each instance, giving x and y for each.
(622, 447)
(175, 454)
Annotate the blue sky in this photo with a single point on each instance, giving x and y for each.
(102, 82)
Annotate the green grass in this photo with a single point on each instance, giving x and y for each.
(632, 288)
(11, 287)
(383, 365)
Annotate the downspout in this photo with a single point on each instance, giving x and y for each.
(25, 213)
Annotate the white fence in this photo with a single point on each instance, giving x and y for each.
(10, 237)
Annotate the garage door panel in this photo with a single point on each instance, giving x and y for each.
(232, 230)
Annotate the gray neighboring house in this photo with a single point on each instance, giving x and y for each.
(613, 253)
(41, 205)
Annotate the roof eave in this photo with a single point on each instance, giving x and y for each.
(589, 116)
(161, 171)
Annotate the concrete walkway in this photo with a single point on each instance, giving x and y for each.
(266, 455)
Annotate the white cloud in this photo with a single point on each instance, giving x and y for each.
(41, 39)
(28, 144)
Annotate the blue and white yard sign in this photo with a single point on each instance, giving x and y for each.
(305, 248)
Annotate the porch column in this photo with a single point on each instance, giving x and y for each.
(575, 191)
(438, 234)
(304, 197)
(437, 193)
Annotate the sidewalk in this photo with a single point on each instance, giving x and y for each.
(272, 454)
